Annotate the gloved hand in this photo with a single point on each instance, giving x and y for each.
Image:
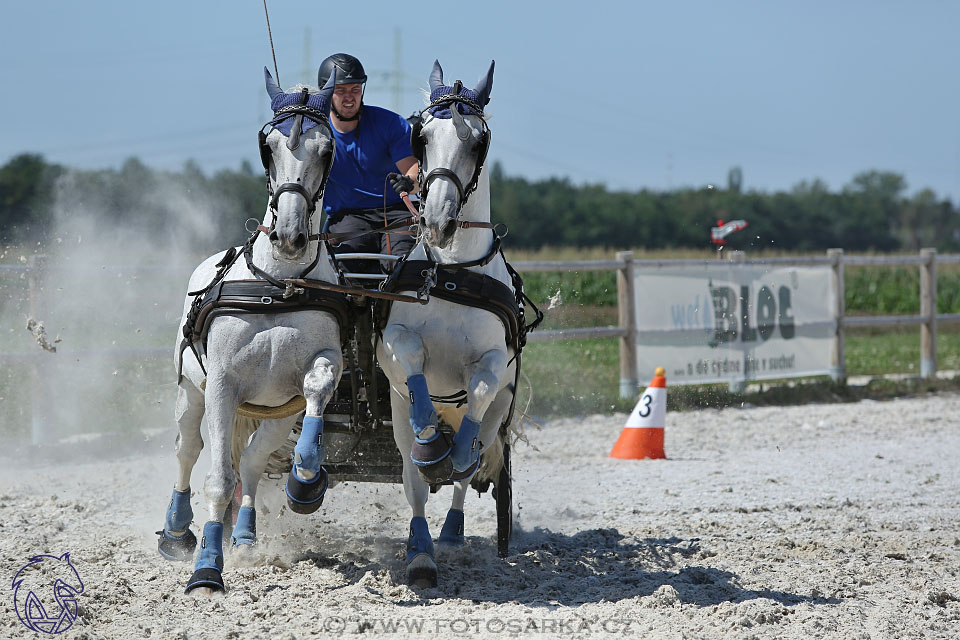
(400, 183)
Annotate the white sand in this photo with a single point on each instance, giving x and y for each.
(827, 521)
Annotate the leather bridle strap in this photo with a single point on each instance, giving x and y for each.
(443, 172)
(294, 187)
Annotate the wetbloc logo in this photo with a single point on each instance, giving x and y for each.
(45, 593)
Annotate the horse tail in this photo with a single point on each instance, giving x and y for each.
(492, 459)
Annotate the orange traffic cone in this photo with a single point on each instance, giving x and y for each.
(642, 436)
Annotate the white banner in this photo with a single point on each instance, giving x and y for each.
(728, 322)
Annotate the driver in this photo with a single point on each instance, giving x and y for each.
(373, 165)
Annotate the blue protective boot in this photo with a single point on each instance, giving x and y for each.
(245, 528)
(179, 517)
(466, 446)
(307, 496)
(430, 453)
(208, 571)
(421, 569)
(451, 535)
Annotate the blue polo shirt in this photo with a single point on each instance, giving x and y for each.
(364, 158)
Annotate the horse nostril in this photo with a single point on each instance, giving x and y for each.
(448, 228)
(274, 238)
(300, 242)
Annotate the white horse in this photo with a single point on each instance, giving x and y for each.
(260, 357)
(446, 348)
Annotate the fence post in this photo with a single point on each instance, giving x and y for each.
(928, 309)
(626, 307)
(838, 360)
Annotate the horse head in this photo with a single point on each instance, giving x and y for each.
(450, 141)
(297, 155)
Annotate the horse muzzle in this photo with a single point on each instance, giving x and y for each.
(290, 246)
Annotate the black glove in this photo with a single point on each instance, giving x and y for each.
(401, 184)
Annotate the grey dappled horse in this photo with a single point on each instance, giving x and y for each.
(445, 348)
(261, 358)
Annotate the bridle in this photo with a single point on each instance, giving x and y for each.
(418, 146)
(299, 111)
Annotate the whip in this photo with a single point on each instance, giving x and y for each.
(270, 33)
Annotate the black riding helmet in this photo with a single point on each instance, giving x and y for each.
(349, 70)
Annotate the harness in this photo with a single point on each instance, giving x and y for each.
(454, 283)
(264, 295)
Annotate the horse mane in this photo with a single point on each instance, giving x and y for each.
(297, 88)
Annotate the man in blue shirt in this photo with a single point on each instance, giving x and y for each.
(373, 154)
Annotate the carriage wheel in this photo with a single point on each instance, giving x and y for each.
(503, 494)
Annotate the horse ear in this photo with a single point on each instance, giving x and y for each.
(327, 91)
(436, 76)
(485, 85)
(273, 89)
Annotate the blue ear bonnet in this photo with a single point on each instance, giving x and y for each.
(442, 111)
(314, 100)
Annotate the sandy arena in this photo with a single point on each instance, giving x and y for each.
(827, 521)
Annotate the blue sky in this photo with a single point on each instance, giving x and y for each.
(631, 94)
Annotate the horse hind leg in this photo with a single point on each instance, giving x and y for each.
(266, 439)
(176, 541)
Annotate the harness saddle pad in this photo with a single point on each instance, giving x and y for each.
(459, 286)
(259, 296)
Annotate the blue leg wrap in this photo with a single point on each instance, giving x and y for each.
(245, 529)
(422, 414)
(179, 511)
(452, 531)
(211, 548)
(466, 444)
(309, 452)
(420, 540)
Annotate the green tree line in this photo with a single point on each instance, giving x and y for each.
(872, 212)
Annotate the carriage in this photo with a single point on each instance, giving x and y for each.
(332, 407)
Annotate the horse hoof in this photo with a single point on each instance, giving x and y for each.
(176, 548)
(424, 454)
(466, 473)
(205, 582)
(422, 573)
(437, 472)
(306, 497)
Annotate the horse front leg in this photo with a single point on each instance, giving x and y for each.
(482, 387)
(430, 450)
(452, 533)
(222, 401)
(421, 566)
(307, 482)
(176, 541)
(266, 439)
